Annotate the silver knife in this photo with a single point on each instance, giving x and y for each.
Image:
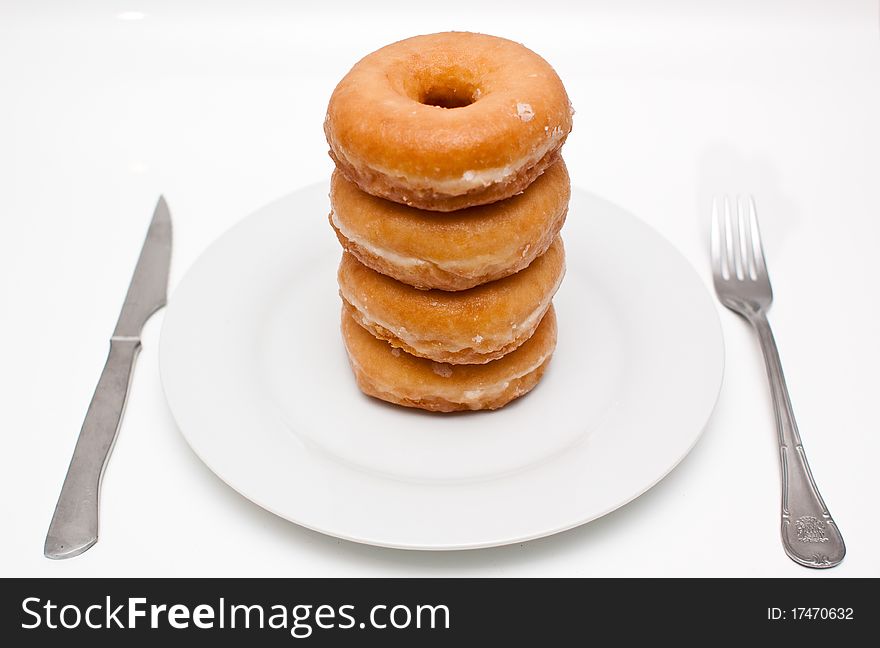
(74, 527)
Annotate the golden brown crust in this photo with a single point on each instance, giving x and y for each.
(449, 120)
(454, 251)
(394, 376)
(466, 327)
(382, 186)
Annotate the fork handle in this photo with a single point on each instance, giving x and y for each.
(809, 535)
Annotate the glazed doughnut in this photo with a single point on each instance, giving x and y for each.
(392, 375)
(447, 121)
(465, 327)
(451, 251)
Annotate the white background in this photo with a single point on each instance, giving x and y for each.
(103, 105)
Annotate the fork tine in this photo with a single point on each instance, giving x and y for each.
(743, 208)
(739, 250)
(757, 244)
(715, 240)
(731, 242)
(723, 240)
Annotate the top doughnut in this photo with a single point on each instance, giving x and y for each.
(447, 121)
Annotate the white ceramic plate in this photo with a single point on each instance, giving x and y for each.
(257, 378)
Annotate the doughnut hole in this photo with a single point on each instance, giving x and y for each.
(443, 86)
(448, 96)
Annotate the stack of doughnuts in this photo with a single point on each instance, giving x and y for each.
(448, 197)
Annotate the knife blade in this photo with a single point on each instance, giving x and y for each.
(74, 526)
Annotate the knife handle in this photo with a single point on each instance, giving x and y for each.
(74, 526)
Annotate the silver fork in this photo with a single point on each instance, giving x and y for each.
(809, 535)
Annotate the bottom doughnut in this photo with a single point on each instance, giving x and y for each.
(394, 376)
